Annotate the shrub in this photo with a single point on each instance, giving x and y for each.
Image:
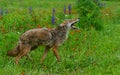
(90, 15)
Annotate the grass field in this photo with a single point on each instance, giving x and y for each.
(84, 53)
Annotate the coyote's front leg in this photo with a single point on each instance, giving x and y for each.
(55, 51)
(47, 48)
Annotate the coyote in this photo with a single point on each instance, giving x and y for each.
(50, 38)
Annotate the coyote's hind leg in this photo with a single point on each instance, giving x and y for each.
(22, 53)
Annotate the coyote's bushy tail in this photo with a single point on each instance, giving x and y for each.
(14, 52)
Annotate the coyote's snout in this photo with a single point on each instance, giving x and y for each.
(50, 38)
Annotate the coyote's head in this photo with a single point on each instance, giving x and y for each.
(70, 24)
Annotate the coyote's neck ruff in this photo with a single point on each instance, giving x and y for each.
(59, 34)
(51, 38)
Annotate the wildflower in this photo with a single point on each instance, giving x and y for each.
(72, 32)
(44, 67)
(64, 9)
(1, 12)
(3, 29)
(70, 8)
(106, 14)
(53, 19)
(30, 10)
(23, 72)
(99, 3)
(53, 10)
(39, 26)
(66, 15)
(78, 31)
(6, 11)
(73, 49)
(33, 18)
(18, 32)
(95, 47)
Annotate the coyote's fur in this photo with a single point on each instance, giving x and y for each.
(50, 38)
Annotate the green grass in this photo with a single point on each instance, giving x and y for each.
(84, 53)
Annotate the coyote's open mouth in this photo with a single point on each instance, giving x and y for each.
(73, 24)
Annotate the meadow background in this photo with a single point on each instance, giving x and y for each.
(86, 52)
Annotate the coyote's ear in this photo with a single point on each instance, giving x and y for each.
(59, 26)
(68, 22)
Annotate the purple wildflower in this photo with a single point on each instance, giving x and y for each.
(30, 10)
(1, 12)
(53, 20)
(6, 11)
(53, 17)
(53, 10)
(99, 3)
(70, 8)
(64, 9)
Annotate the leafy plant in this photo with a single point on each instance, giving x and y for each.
(90, 14)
